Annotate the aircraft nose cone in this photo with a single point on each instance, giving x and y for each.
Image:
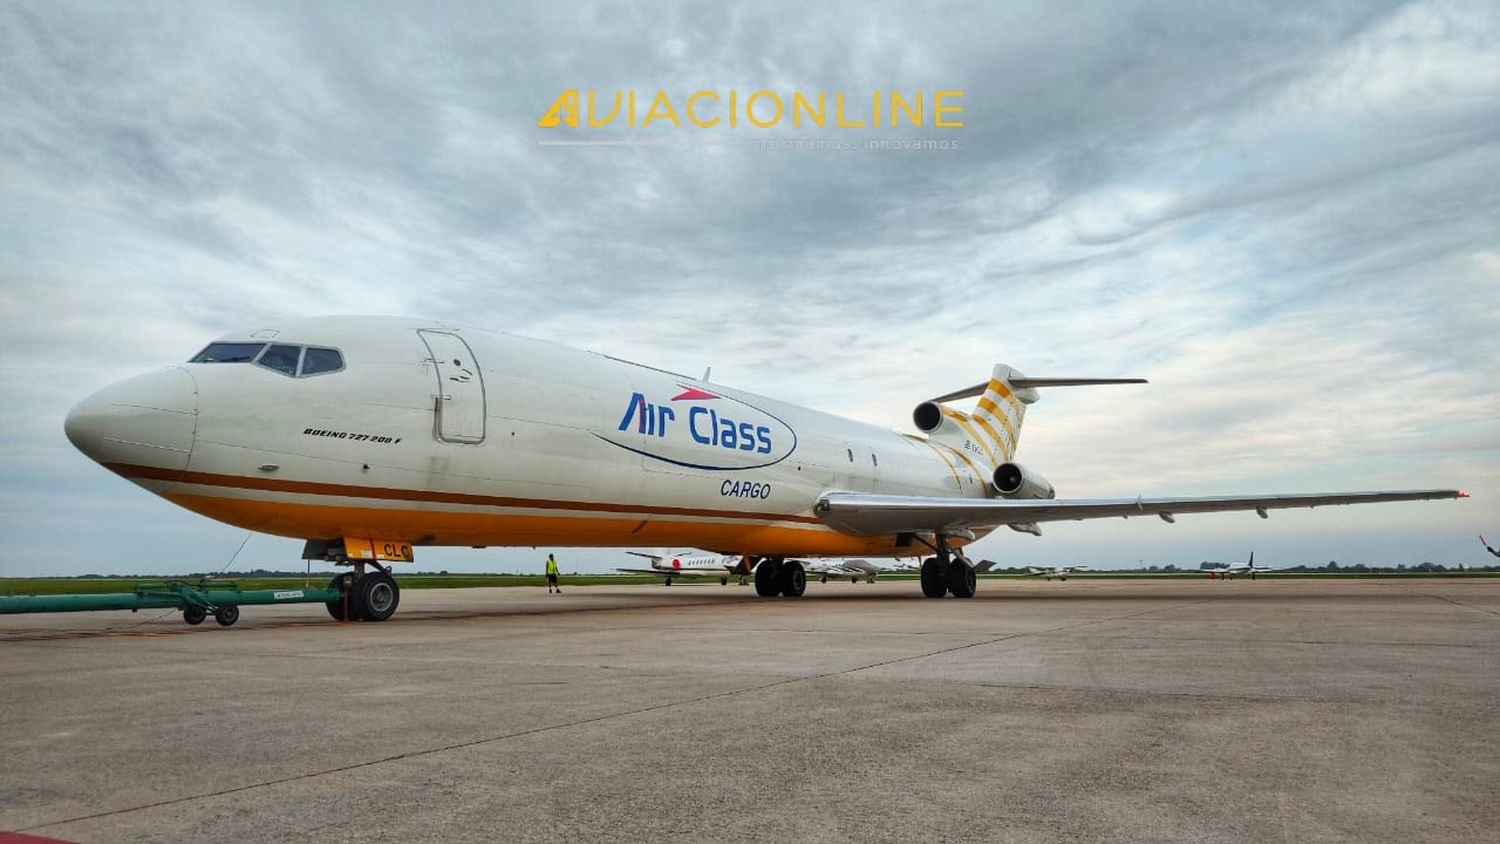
(148, 420)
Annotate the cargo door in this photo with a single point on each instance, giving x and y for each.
(459, 403)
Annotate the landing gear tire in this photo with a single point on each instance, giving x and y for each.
(933, 583)
(227, 615)
(768, 579)
(342, 608)
(376, 595)
(723, 581)
(667, 582)
(961, 579)
(194, 615)
(792, 580)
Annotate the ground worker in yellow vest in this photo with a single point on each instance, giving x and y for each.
(552, 576)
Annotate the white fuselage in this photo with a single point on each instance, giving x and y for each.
(435, 435)
(717, 564)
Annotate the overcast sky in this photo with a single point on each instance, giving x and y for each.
(1288, 218)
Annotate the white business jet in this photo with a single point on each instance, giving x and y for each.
(1049, 572)
(1226, 571)
(852, 568)
(690, 565)
(369, 436)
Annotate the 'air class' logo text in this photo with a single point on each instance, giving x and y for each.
(703, 430)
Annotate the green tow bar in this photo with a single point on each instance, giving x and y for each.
(221, 598)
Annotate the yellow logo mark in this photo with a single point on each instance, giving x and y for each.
(564, 110)
(764, 109)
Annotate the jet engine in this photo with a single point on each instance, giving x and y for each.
(927, 416)
(1012, 480)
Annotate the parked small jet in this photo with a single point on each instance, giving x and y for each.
(1226, 571)
(854, 569)
(693, 565)
(370, 436)
(1049, 572)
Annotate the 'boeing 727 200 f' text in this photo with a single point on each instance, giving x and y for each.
(367, 436)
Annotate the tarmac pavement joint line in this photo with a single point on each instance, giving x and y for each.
(416, 754)
(1128, 691)
(1410, 591)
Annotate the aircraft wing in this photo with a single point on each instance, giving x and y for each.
(868, 515)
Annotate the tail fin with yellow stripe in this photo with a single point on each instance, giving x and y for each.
(992, 430)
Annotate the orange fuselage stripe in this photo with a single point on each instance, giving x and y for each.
(440, 527)
(963, 422)
(436, 496)
(1000, 442)
(993, 412)
(951, 467)
(1003, 390)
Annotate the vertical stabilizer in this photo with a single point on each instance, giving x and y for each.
(990, 433)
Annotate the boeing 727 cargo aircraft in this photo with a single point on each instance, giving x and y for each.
(369, 436)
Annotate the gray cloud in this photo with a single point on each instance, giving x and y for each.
(1283, 215)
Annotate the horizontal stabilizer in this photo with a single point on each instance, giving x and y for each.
(1024, 383)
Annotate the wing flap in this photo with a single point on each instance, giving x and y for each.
(868, 515)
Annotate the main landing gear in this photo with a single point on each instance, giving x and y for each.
(775, 576)
(949, 571)
(371, 596)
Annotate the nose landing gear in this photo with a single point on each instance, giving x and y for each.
(364, 597)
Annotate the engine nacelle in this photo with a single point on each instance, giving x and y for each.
(928, 417)
(932, 421)
(1012, 480)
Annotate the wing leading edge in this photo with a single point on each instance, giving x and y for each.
(869, 515)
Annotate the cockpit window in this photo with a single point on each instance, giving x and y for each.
(278, 357)
(282, 359)
(321, 360)
(228, 353)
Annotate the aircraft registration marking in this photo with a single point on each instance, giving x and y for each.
(350, 436)
(390, 550)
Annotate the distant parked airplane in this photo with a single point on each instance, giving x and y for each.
(1059, 572)
(854, 569)
(692, 565)
(1226, 571)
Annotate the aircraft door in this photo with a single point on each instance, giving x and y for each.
(459, 403)
(847, 471)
